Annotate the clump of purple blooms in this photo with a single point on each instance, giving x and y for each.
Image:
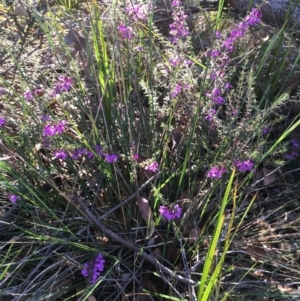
(152, 166)
(216, 172)
(64, 84)
(54, 129)
(111, 158)
(178, 29)
(170, 213)
(13, 198)
(246, 165)
(93, 269)
(137, 12)
(28, 96)
(61, 154)
(126, 32)
(219, 56)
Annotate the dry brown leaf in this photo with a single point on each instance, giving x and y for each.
(260, 253)
(269, 176)
(76, 40)
(194, 235)
(19, 10)
(147, 214)
(145, 210)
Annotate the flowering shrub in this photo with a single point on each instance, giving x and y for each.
(195, 111)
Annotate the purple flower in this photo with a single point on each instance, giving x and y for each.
(126, 31)
(266, 130)
(38, 92)
(99, 150)
(76, 153)
(294, 143)
(176, 91)
(215, 53)
(239, 31)
(2, 91)
(228, 44)
(178, 28)
(175, 3)
(46, 142)
(170, 213)
(136, 157)
(291, 156)
(51, 130)
(244, 165)
(216, 172)
(218, 34)
(45, 118)
(228, 86)
(111, 158)
(93, 268)
(138, 48)
(209, 116)
(254, 17)
(215, 96)
(89, 155)
(28, 96)
(58, 89)
(61, 154)
(60, 127)
(137, 12)
(175, 61)
(65, 83)
(152, 166)
(13, 198)
(2, 122)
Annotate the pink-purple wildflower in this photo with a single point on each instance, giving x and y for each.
(28, 96)
(178, 29)
(216, 172)
(45, 118)
(111, 158)
(136, 157)
(51, 130)
(2, 91)
(93, 269)
(99, 150)
(65, 82)
(61, 154)
(246, 165)
(126, 31)
(13, 198)
(210, 115)
(152, 166)
(2, 122)
(254, 17)
(215, 96)
(295, 143)
(291, 156)
(39, 92)
(136, 12)
(176, 91)
(170, 213)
